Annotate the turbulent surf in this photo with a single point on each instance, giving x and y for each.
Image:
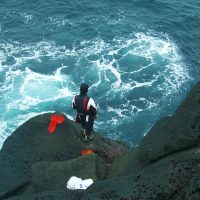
(139, 65)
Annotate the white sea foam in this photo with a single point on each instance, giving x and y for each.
(23, 90)
(118, 111)
(161, 60)
(126, 66)
(28, 19)
(18, 110)
(60, 21)
(103, 66)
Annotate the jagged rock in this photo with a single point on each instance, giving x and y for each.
(168, 135)
(106, 148)
(171, 137)
(119, 165)
(31, 143)
(164, 166)
(172, 177)
(54, 175)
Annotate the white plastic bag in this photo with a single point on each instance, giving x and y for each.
(75, 183)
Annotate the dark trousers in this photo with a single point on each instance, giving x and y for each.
(87, 125)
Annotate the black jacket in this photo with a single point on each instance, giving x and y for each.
(84, 105)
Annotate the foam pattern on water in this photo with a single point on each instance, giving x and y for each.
(133, 79)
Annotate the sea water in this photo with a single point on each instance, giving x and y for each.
(140, 58)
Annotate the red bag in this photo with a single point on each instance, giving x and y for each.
(55, 119)
(84, 152)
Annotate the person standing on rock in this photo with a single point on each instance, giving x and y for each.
(86, 111)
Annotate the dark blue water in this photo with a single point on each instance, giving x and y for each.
(140, 58)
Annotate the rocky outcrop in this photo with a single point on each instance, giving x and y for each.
(167, 178)
(169, 135)
(30, 156)
(173, 134)
(166, 165)
(54, 175)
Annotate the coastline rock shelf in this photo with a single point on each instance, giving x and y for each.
(165, 165)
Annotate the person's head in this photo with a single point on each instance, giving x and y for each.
(84, 88)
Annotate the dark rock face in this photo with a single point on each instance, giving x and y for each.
(164, 166)
(168, 178)
(31, 145)
(51, 195)
(172, 134)
(54, 175)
